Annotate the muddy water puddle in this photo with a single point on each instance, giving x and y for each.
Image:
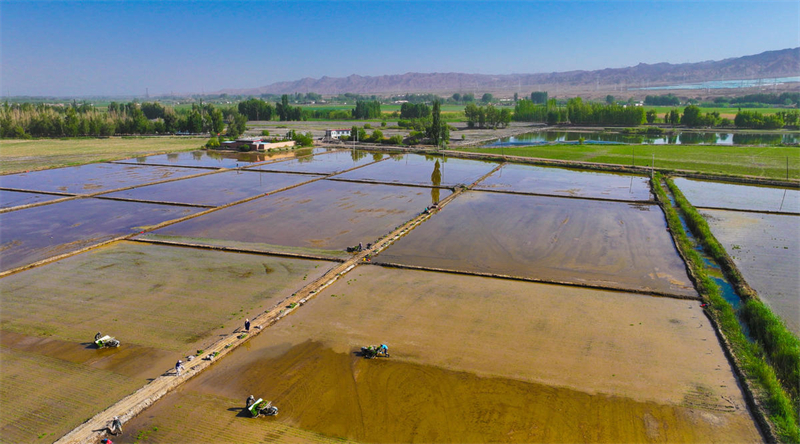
(38, 233)
(151, 296)
(766, 249)
(422, 170)
(609, 244)
(473, 359)
(564, 182)
(9, 199)
(703, 193)
(219, 159)
(214, 189)
(324, 163)
(92, 178)
(324, 217)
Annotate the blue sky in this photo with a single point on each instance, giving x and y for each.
(121, 48)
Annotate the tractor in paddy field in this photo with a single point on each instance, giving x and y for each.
(375, 351)
(258, 407)
(105, 341)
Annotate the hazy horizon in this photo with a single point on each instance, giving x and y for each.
(127, 48)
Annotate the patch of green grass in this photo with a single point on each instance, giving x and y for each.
(35, 154)
(768, 162)
(780, 407)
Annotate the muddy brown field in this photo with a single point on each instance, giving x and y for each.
(472, 360)
(163, 303)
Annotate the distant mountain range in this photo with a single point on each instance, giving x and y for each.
(770, 64)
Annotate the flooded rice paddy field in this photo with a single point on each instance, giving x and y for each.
(93, 178)
(161, 302)
(566, 182)
(33, 234)
(214, 189)
(323, 217)
(766, 249)
(219, 159)
(473, 360)
(609, 244)
(420, 169)
(702, 193)
(324, 163)
(9, 199)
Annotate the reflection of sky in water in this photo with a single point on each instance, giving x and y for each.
(675, 138)
(565, 182)
(422, 170)
(93, 178)
(33, 234)
(702, 193)
(325, 163)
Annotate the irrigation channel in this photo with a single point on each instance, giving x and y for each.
(455, 191)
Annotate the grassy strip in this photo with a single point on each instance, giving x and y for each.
(750, 356)
(769, 162)
(782, 347)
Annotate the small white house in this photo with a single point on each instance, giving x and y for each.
(336, 133)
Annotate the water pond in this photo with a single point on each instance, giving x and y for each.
(214, 189)
(566, 182)
(673, 138)
(703, 193)
(420, 169)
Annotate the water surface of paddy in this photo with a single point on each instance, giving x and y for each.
(214, 189)
(473, 360)
(10, 199)
(610, 244)
(422, 170)
(219, 159)
(322, 217)
(702, 193)
(34, 234)
(324, 163)
(766, 249)
(92, 178)
(565, 182)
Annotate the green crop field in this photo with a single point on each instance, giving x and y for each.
(768, 162)
(36, 154)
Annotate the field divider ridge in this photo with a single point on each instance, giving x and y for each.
(148, 229)
(599, 199)
(95, 428)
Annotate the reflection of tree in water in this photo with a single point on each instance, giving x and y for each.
(197, 155)
(376, 157)
(357, 155)
(436, 180)
(172, 156)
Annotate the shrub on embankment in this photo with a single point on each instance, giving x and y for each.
(781, 346)
(778, 406)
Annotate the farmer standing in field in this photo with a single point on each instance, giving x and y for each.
(247, 325)
(178, 367)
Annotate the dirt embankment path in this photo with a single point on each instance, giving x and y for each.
(95, 428)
